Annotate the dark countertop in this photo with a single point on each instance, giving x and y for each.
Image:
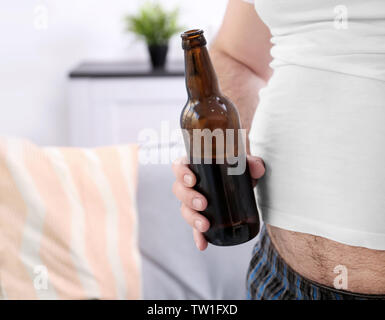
(125, 69)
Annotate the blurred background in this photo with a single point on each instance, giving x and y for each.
(72, 75)
(43, 41)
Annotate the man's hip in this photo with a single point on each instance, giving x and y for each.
(270, 278)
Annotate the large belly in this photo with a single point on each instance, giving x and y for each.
(322, 137)
(331, 263)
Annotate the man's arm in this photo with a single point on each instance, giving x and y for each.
(241, 57)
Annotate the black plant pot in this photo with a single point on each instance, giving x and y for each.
(158, 54)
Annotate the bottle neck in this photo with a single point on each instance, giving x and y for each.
(201, 80)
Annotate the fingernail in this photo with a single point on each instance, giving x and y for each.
(260, 161)
(198, 225)
(197, 204)
(188, 180)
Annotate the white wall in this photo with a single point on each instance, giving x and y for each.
(40, 41)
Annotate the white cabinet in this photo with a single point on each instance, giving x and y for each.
(113, 108)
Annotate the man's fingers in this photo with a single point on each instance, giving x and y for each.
(200, 240)
(194, 219)
(193, 201)
(182, 172)
(189, 197)
(256, 167)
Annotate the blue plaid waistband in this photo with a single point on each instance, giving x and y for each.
(270, 278)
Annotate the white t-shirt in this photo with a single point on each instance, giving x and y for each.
(320, 123)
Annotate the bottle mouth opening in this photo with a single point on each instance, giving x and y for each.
(191, 34)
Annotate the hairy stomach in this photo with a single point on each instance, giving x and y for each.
(330, 263)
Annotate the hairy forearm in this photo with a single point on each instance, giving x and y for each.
(239, 83)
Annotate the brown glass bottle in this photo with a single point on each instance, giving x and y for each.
(231, 209)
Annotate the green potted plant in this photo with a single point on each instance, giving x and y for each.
(156, 26)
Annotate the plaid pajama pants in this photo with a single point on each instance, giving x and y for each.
(270, 278)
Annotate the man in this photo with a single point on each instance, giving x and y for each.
(319, 130)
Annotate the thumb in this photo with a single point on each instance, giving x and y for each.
(256, 167)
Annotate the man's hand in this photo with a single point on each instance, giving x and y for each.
(193, 201)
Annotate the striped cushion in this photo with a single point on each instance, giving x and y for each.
(68, 222)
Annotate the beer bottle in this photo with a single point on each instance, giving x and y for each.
(216, 149)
